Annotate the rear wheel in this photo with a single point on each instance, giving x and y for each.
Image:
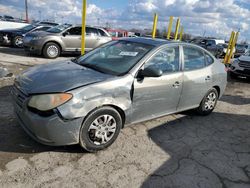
(51, 50)
(100, 129)
(208, 103)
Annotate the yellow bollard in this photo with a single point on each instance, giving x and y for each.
(84, 7)
(233, 47)
(170, 26)
(229, 47)
(154, 25)
(181, 33)
(177, 29)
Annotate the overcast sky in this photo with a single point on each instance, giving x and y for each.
(212, 17)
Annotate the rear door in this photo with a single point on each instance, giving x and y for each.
(72, 39)
(92, 38)
(154, 97)
(197, 77)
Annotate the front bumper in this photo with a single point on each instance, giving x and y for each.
(51, 130)
(33, 46)
(236, 69)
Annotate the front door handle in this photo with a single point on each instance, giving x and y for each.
(208, 78)
(176, 84)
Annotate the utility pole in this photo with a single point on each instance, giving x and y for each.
(26, 11)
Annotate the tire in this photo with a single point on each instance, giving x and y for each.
(17, 42)
(92, 137)
(51, 50)
(207, 105)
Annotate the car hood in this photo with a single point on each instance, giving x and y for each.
(57, 77)
(11, 31)
(244, 58)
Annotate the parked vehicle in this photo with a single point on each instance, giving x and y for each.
(117, 33)
(14, 37)
(241, 66)
(241, 49)
(89, 99)
(64, 38)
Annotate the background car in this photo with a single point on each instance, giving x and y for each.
(64, 38)
(241, 66)
(14, 37)
(240, 49)
(88, 100)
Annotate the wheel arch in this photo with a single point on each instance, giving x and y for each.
(217, 89)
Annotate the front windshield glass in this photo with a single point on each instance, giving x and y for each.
(28, 27)
(116, 58)
(59, 28)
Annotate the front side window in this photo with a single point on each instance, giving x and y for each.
(115, 58)
(75, 31)
(167, 60)
(193, 58)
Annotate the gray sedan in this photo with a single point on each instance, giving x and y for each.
(88, 100)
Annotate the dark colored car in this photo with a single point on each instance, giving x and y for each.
(241, 66)
(14, 37)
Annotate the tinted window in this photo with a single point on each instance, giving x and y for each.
(166, 60)
(209, 59)
(102, 33)
(91, 31)
(75, 31)
(193, 58)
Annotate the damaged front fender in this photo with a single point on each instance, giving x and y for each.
(116, 92)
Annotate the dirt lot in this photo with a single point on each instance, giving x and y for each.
(181, 150)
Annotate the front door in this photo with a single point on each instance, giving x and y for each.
(72, 39)
(154, 97)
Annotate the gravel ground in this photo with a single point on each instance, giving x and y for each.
(180, 150)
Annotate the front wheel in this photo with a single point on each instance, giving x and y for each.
(208, 103)
(100, 129)
(51, 50)
(18, 42)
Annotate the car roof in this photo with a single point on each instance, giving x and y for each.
(149, 41)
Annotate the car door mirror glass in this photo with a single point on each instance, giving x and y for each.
(150, 71)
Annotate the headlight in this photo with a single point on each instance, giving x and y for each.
(36, 38)
(48, 101)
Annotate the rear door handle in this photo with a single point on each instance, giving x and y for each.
(208, 78)
(176, 84)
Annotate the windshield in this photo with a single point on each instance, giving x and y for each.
(28, 27)
(116, 58)
(59, 28)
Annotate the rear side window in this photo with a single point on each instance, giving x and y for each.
(193, 58)
(209, 59)
(75, 31)
(91, 31)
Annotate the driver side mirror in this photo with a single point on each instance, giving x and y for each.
(65, 33)
(150, 71)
